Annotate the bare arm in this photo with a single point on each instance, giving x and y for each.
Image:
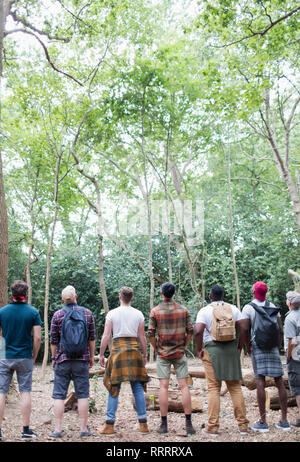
(291, 345)
(92, 345)
(198, 335)
(280, 330)
(152, 340)
(104, 341)
(245, 327)
(188, 338)
(37, 337)
(142, 337)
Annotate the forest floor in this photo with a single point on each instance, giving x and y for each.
(42, 418)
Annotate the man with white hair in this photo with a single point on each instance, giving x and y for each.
(72, 348)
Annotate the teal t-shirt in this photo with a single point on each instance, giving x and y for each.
(16, 322)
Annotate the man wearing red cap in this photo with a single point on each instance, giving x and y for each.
(265, 360)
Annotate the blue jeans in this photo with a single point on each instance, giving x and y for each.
(139, 399)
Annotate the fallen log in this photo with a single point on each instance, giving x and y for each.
(250, 382)
(98, 372)
(273, 399)
(70, 402)
(174, 400)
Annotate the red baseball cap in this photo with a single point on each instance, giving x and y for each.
(260, 290)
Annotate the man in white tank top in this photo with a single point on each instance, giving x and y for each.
(127, 359)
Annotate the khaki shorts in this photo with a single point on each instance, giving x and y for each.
(163, 367)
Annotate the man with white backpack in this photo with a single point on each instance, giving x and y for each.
(219, 349)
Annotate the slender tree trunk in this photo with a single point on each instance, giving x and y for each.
(28, 275)
(236, 279)
(4, 9)
(48, 267)
(100, 251)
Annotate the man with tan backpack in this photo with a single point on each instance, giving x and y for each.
(219, 349)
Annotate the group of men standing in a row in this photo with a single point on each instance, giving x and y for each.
(170, 330)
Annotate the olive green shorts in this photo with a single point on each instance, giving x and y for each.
(163, 367)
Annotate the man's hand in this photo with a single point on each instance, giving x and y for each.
(102, 361)
(145, 359)
(201, 354)
(91, 361)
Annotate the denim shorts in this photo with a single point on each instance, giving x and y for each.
(23, 368)
(163, 367)
(76, 370)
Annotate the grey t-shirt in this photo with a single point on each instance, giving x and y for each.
(249, 312)
(292, 327)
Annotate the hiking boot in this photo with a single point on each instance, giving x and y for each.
(163, 428)
(143, 427)
(284, 426)
(296, 423)
(28, 435)
(189, 428)
(108, 429)
(261, 427)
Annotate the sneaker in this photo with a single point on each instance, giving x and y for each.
(243, 431)
(296, 423)
(55, 434)
(209, 433)
(87, 433)
(260, 427)
(283, 426)
(28, 435)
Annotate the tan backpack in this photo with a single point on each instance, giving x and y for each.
(223, 323)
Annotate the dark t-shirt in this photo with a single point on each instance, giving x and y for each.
(16, 322)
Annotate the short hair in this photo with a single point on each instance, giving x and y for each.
(216, 292)
(19, 289)
(126, 294)
(168, 289)
(68, 294)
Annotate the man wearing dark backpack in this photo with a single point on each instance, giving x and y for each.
(72, 349)
(262, 322)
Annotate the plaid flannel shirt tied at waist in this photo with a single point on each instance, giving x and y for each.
(55, 333)
(125, 364)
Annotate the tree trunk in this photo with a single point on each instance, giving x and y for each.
(48, 268)
(4, 10)
(236, 279)
(100, 251)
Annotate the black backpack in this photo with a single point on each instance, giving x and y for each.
(74, 333)
(265, 326)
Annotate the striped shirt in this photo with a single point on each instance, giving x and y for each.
(172, 322)
(55, 333)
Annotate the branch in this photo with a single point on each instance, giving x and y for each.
(46, 53)
(262, 32)
(34, 29)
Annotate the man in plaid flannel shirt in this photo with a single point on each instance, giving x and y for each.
(67, 369)
(173, 326)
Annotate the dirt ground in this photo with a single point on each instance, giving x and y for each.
(42, 419)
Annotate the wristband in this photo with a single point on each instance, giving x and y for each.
(52, 359)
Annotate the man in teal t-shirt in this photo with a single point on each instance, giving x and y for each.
(18, 321)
